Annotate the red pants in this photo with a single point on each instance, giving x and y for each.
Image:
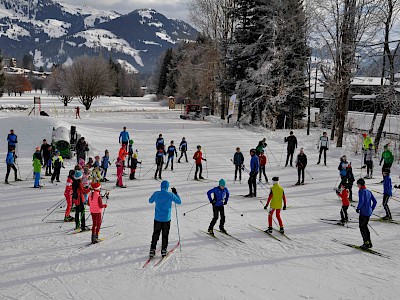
(68, 197)
(96, 219)
(278, 216)
(119, 176)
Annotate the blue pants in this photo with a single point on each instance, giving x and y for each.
(37, 179)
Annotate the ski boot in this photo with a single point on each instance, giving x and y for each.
(297, 183)
(222, 229)
(386, 218)
(94, 239)
(6, 182)
(269, 230)
(211, 232)
(250, 195)
(195, 178)
(366, 245)
(282, 230)
(201, 177)
(152, 253)
(164, 253)
(17, 179)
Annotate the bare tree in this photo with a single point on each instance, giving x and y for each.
(55, 85)
(88, 78)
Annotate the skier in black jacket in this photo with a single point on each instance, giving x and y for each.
(301, 164)
(238, 160)
(183, 149)
(292, 144)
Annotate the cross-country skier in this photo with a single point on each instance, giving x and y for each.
(276, 196)
(366, 205)
(134, 164)
(81, 149)
(171, 151)
(301, 164)
(124, 138)
(218, 197)
(263, 163)
(160, 142)
(183, 148)
(323, 145)
(291, 146)
(10, 165)
(198, 157)
(343, 193)
(261, 145)
(369, 161)
(122, 155)
(238, 160)
(366, 141)
(78, 197)
(105, 163)
(58, 163)
(387, 193)
(45, 150)
(96, 209)
(120, 169)
(68, 196)
(254, 167)
(162, 217)
(387, 158)
(37, 167)
(342, 170)
(159, 160)
(130, 153)
(77, 114)
(12, 140)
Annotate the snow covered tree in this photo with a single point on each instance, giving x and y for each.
(55, 84)
(88, 78)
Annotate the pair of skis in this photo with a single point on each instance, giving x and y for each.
(270, 234)
(162, 260)
(368, 250)
(100, 240)
(226, 234)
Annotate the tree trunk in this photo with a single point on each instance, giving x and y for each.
(381, 126)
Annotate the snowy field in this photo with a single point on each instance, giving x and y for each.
(39, 260)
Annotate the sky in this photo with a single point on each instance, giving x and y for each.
(175, 9)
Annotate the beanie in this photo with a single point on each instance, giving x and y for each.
(222, 182)
(361, 182)
(78, 175)
(96, 186)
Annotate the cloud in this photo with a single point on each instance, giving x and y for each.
(175, 9)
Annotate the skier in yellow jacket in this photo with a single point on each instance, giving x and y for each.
(276, 196)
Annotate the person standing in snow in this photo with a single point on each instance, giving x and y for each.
(387, 193)
(387, 158)
(68, 196)
(160, 142)
(96, 209)
(12, 140)
(37, 167)
(261, 146)
(124, 138)
(343, 194)
(198, 157)
(254, 167)
(366, 206)
(291, 146)
(263, 163)
(238, 161)
(301, 164)
(183, 148)
(162, 217)
(45, 150)
(323, 146)
(130, 153)
(366, 141)
(78, 197)
(10, 165)
(218, 200)
(134, 164)
(81, 149)
(122, 155)
(120, 169)
(77, 112)
(342, 170)
(171, 155)
(58, 163)
(369, 161)
(276, 196)
(105, 163)
(159, 162)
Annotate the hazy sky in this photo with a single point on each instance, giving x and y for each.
(170, 8)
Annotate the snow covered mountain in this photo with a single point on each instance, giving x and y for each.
(55, 32)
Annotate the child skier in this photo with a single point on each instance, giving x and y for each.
(159, 162)
(130, 153)
(162, 217)
(105, 162)
(343, 193)
(369, 156)
(134, 164)
(198, 157)
(96, 209)
(342, 170)
(96, 174)
(183, 149)
(120, 168)
(263, 162)
(171, 154)
(96, 161)
(238, 160)
(219, 199)
(387, 158)
(58, 163)
(78, 192)
(10, 165)
(122, 156)
(254, 167)
(68, 196)
(90, 163)
(276, 196)
(86, 182)
(37, 167)
(301, 164)
(387, 193)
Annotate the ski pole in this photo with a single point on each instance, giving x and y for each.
(283, 148)
(205, 154)
(177, 224)
(273, 156)
(58, 203)
(195, 208)
(190, 172)
(149, 170)
(235, 210)
(29, 175)
(309, 174)
(18, 169)
(140, 169)
(49, 213)
(368, 223)
(269, 214)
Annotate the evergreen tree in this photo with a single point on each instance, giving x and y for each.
(165, 69)
(2, 76)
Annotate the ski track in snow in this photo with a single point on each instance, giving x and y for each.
(40, 260)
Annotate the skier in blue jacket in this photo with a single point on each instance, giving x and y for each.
(220, 198)
(124, 138)
(12, 140)
(162, 217)
(387, 193)
(105, 162)
(254, 167)
(366, 205)
(10, 165)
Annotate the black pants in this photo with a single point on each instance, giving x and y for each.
(80, 216)
(56, 174)
(370, 167)
(252, 183)
(343, 214)
(386, 166)
(11, 147)
(129, 161)
(159, 170)
(47, 164)
(386, 206)
(218, 210)
(238, 168)
(363, 224)
(170, 158)
(199, 169)
(183, 153)
(320, 154)
(289, 155)
(262, 171)
(9, 167)
(158, 228)
(300, 173)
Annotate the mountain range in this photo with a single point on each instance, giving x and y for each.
(55, 33)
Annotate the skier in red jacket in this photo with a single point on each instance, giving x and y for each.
(198, 157)
(263, 162)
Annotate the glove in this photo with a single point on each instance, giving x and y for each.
(357, 210)
(225, 202)
(284, 207)
(213, 202)
(266, 206)
(380, 164)
(327, 148)
(174, 191)
(317, 147)
(16, 156)
(205, 159)
(63, 167)
(104, 205)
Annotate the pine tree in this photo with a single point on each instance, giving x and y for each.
(2, 76)
(165, 69)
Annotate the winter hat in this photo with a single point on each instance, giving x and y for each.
(386, 146)
(361, 182)
(253, 150)
(97, 157)
(291, 132)
(222, 182)
(135, 155)
(106, 152)
(172, 142)
(130, 142)
(96, 186)
(78, 175)
(57, 152)
(364, 135)
(37, 148)
(198, 146)
(275, 179)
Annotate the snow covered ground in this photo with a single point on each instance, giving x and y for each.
(39, 260)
